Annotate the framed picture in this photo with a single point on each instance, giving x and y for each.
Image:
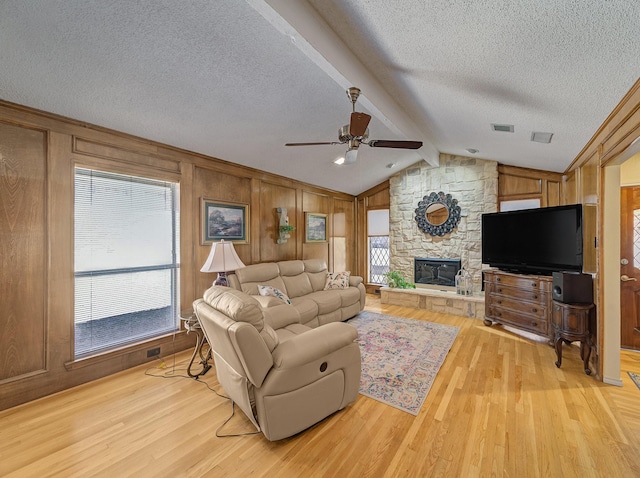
(224, 220)
(315, 227)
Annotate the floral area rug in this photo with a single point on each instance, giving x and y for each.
(635, 377)
(400, 357)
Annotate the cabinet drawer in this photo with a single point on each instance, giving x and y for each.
(535, 295)
(524, 306)
(521, 282)
(535, 324)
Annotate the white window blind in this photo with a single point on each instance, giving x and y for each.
(378, 222)
(126, 259)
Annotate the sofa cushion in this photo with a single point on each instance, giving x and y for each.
(281, 315)
(318, 280)
(316, 269)
(258, 272)
(295, 279)
(348, 296)
(290, 268)
(268, 291)
(327, 301)
(333, 316)
(250, 277)
(307, 308)
(337, 280)
(315, 265)
(297, 286)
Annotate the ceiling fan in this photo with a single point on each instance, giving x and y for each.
(357, 132)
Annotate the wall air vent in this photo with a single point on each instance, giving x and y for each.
(541, 137)
(505, 128)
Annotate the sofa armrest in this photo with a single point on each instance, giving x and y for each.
(354, 281)
(313, 345)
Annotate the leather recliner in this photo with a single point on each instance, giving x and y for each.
(283, 385)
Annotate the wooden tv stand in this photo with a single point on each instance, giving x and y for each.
(519, 300)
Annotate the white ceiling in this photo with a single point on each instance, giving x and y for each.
(237, 79)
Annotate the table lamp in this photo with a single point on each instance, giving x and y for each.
(222, 259)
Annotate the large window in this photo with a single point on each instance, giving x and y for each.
(378, 233)
(126, 259)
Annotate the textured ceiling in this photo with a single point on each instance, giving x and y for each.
(236, 80)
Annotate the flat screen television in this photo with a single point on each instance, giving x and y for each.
(534, 241)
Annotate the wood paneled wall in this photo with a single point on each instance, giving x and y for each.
(38, 153)
(23, 245)
(585, 185)
(523, 183)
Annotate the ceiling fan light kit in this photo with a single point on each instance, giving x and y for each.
(357, 132)
(350, 156)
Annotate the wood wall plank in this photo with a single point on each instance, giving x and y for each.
(272, 197)
(343, 242)
(524, 183)
(23, 239)
(318, 203)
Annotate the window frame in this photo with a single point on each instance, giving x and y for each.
(369, 236)
(142, 343)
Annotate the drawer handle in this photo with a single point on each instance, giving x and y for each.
(497, 279)
(499, 289)
(498, 302)
(534, 310)
(534, 284)
(535, 296)
(499, 314)
(535, 324)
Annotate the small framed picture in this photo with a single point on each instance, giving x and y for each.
(315, 227)
(224, 220)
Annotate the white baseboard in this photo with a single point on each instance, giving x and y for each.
(613, 381)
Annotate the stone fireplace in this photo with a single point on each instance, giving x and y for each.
(473, 182)
(436, 273)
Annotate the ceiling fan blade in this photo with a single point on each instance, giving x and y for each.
(309, 144)
(382, 143)
(358, 124)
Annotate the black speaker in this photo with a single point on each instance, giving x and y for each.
(572, 288)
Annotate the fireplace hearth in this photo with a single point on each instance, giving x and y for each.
(436, 272)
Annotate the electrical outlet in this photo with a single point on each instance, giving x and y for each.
(153, 352)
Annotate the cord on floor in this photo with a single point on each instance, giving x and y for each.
(233, 411)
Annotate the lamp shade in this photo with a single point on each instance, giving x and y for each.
(222, 258)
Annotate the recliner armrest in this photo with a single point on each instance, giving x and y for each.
(313, 345)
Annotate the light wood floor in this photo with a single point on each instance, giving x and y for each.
(499, 406)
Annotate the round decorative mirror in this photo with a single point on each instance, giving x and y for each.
(437, 214)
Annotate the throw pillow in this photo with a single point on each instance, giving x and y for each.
(267, 290)
(337, 280)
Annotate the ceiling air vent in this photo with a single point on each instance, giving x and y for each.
(505, 128)
(541, 137)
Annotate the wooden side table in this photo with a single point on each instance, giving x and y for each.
(191, 324)
(571, 323)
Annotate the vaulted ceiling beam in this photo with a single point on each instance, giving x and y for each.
(311, 34)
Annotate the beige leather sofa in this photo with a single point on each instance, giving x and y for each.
(303, 282)
(285, 376)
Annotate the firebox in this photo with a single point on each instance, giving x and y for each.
(436, 273)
